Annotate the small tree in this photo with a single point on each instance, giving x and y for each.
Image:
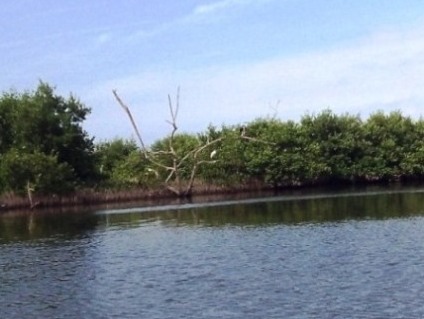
(35, 172)
(42, 121)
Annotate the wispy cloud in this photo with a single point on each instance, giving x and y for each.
(382, 71)
(196, 16)
(216, 6)
(222, 5)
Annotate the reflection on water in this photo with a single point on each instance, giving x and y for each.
(277, 210)
(292, 209)
(322, 255)
(31, 225)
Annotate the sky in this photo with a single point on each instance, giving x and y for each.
(234, 60)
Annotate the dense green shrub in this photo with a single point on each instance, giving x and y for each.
(42, 173)
(110, 154)
(321, 148)
(41, 121)
(134, 171)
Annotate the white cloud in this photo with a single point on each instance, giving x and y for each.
(216, 6)
(200, 14)
(383, 71)
(221, 5)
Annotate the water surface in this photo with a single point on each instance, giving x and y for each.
(325, 255)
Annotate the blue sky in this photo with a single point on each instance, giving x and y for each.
(235, 60)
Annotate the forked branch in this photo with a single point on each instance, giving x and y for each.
(173, 180)
(173, 174)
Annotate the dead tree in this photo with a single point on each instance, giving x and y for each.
(173, 182)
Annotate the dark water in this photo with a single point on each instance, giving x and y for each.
(345, 255)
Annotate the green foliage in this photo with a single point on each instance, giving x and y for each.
(43, 143)
(183, 144)
(42, 121)
(413, 159)
(42, 172)
(7, 105)
(339, 141)
(134, 171)
(392, 147)
(321, 148)
(295, 160)
(229, 167)
(267, 161)
(110, 154)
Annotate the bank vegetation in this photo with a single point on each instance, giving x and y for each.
(46, 157)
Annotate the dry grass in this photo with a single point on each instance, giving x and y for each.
(11, 201)
(83, 197)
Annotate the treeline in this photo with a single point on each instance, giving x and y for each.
(44, 149)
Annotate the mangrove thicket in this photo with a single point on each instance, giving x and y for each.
(45, 150)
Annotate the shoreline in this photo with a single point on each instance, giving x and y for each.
(89, 197)
(107, 197)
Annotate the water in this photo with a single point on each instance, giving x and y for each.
(326, 255)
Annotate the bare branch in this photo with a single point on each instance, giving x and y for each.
(275, 108)
(174, 190)
(174, 112)
(171, 173)
(199, 149)
(173, 181)
(137, 132)
(134, 125)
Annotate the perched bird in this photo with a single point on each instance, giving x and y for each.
(213, 153)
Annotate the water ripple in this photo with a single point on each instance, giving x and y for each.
(349, 268)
